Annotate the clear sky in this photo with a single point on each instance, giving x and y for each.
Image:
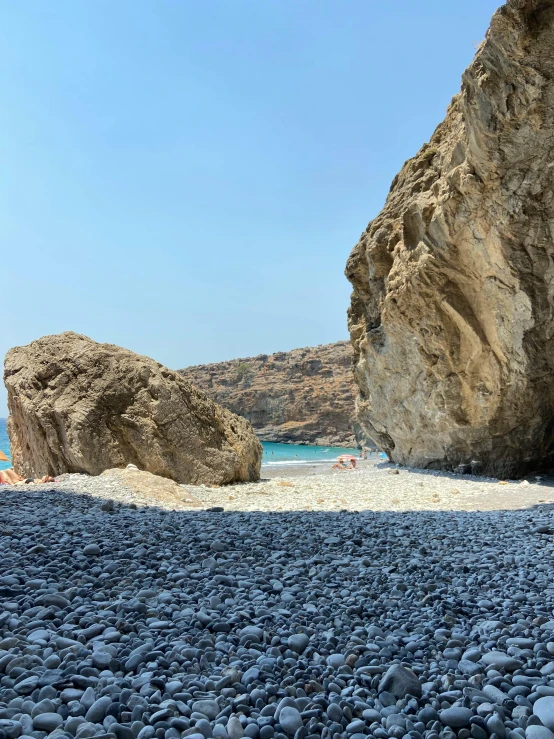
(186, 178)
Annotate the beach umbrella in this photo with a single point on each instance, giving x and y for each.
(3, 457)
(347, 457)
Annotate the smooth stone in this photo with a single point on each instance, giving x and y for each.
(538, 732)
(298, 642)
(468, 667)
(234, 728)
(501, 661)
(11, 729)
(250, 675)
(92, 550)
(356, 726)
(395, 719)
(73, 723)
(472, 655)
(101, 659)
(369, 714)
(336, 660)
(334, 712)
(71, 694)
(456, 717)
(26, 686)
(495, 725)
(209, 708)
(290, 719)
(495, 694)
(543, 708)
(97, 712)
(47, 722)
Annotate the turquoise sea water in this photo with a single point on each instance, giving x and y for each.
(274, 454)
(290, 454)
(4, 443)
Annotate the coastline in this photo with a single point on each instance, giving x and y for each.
(280, 454)
(311, 484)
(376, 485)
(311, 469)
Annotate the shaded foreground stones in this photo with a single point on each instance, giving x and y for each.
(79, 406)
(137, 624)
(452, 310)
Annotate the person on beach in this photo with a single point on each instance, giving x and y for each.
(10, 477)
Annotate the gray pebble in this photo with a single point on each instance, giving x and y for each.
(97, 712)
(234, 728)
(543, 708)
(47, 722)
(290, 719)
(400, 681)
(456, 717)
(298, 642)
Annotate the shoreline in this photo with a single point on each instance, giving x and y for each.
(376, 485)
(310, 469)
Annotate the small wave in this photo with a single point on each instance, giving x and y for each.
(297, 462)
(271, 463)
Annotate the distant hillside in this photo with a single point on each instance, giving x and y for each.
(302, 396)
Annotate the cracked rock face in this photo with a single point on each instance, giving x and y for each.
(304, 396)
(451, 316)
(79, 406)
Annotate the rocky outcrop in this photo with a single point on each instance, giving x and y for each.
(304, 396)
(79, 406)
(452, 310)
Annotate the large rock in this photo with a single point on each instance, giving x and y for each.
(452, 310)
(79, 406)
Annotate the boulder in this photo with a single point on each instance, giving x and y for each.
(152, 488)
(452, 311)
(79, 406)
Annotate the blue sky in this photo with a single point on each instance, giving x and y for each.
(187, 178)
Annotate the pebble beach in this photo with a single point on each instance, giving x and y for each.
(373, 486)
(345, 604)
(378, 486)
(183, 177)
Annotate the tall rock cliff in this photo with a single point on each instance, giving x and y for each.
(79, 406)
(304, 396)
(452, 310)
